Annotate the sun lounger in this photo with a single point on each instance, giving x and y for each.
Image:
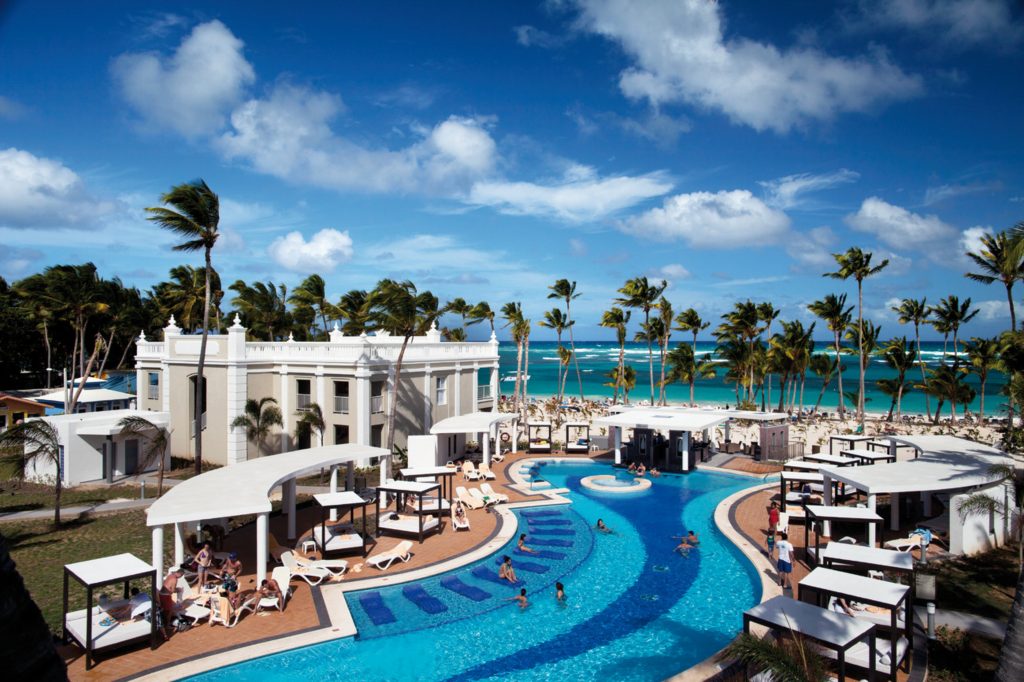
(189, 609)
(337, 538)
(460, 524)
(550, 522)
(468, 591)
(467, 499)
(551, 542)
(540, 554)
(275, 548)
(541, 530)
(486, 489)
(485, 471)
(488, 501)
(485, 573)
(384, 560)
(783, 524)
(469, 472)
(407, 524)
(374, 606)
(419, 596)
(282, 576)
(335, 567)
(497, 457)
(528, 566)
(106, 631)
(312, 576)
(222, 612)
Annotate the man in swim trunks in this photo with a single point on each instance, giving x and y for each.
(785, 562)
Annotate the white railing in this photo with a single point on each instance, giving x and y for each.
(483, 392)
(154, 392)
(302, 401)
(377, 404)
(345, 352)
(341, 404)
(149, 348)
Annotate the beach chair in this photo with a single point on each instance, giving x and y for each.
(467, 499)
(497, 457)
(909, 543)
(336, 567)
(783, 525)
(485, 472)
(460, 525)
(275, 548)
(469, 472)
(282, 576)
(222, 612)
(312, 576)
(486, 501)
(490, 492)
(384, 560)
(188, 608)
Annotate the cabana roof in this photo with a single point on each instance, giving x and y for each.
(945, 463)
(245, 488)
(725, 415)
(89, 395)
(108, 569)
(474, 422)
(662, 419)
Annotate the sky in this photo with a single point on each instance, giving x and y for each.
(484, 150)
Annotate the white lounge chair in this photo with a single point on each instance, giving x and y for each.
(783, 525)
(222, 612)
(485, 471)
(312, 575)
(467, 499)
(460, 525)
(188, 608)
(282, 576)
(384, 560)
(469, 472)
(488, 501)
(336, 567)
(907, 544)
(497, 457)
(490, 492)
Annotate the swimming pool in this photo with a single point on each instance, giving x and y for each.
(635, 609)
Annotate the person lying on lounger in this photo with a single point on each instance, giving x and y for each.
(506, 572)
(521, 545)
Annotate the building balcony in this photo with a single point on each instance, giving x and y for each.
(483, 392)
(302, 401)
(377, 404)
(341, 404)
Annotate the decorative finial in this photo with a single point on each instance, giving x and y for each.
(142, 336)
(291, 337)
(237, 322)
(171, 322)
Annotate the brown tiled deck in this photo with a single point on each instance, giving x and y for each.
(305, 610)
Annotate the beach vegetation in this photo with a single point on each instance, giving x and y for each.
(258, 419)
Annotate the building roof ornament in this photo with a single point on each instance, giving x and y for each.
(237, 322)
(335, 334)
(291, 338)
(172, 327)
(142, 336)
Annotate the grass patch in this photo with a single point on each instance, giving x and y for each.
(956, 656)
(15, 497)
(983, 584)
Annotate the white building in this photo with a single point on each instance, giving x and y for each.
(351, 378)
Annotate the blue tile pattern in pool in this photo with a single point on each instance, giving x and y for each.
(635, 609)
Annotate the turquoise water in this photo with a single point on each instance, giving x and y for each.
(597, 358)
(635, 609)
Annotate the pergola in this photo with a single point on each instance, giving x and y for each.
(477, 423)
(245, 488)
(684, 421)
(445, 474)
(340, 538)
(826, 515)
(424, 521)
(944, 464)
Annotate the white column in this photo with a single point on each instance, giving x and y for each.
(727, 430)
(362, 405)
(494, 387)
(892, 448)
(334, 489)
(237, 392)
(286, 410)
(826, 482)
(617, 443)
(475, 388)
(262, 528)
(289, 488)
(158, 553)
(427, 402)
(871, 526)
(385, 469)
(179, 544)
(321, 392)
(686, 451)
(487, 447)
(458, 392)
(894, 511)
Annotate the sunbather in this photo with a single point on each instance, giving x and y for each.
(521, 545)
(204, 559)
(560, 593)
(506, 572)
(123, 613)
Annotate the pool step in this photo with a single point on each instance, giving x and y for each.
(549, 522)
(492, 576)
(548, 512)
(529, 566)
(419, 596)
(535, 530)
(460, 588)
(374, 606)
(551, 542)
(540, 553)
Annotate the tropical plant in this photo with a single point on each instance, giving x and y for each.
(77, 292)
(744, 324)
(833, 311)
(786, 660)
(1010, 508)
(998, 261)
(946, 382)
(36, 304)
(312, 294)
(949, 314)
(664, 335)
(565, 290)
(458, 306)
(400, 309)
(184, 294)
(158, 439)
(616, 318)
(791, 351)
(258, 418)
(35, 442)
(686, 368)
(911, 310)
(901, 359)
(767, 313)
(856, 263)
(628, 382)
(690, 321)
(640, 294)
(480, 312)
(559, 323)
(823, 366)
(310, 421)
(354, 309)
(457, 334)
(263, 306)
(192, 211)
(512, 312)
(982, 357)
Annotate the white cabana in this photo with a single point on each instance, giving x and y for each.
(944, 464)
(686, 421)
(245, 488)
(477, 423)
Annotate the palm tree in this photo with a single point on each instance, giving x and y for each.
(456, 334)
(38, 306)
(767, 313)
(628, 382)
(399, 308)
(946, 382)
(664, 330)
(735, 354)
(686, 368)
(159, 440)
(786, 660)
(311, 293)
(194, 214)
(982, 357)
(183, 295)
(311, 420)
(554, 319)
(564, 357)
(458, 306)
(652, 332)
(998, 261)
(949, 314)
(565, 290)
(35, 441)
(77, 291)
(353, 308)
(641, 294)
(616, 318)
(257, 419)
(856, 263)
(900, 359)
(480, 312)
(825, 367)
(690, 321)
(744, 323)
(263, 305)
(916, 311)
(512, 312)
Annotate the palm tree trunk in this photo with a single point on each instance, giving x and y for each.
(783, 385)
(938, 412)
(106, 354)
(526, 377)
(393, 403)
(200, 381)
(803, 379)
(920, 361)
(892, 406)
(839, 370)
(124, 355)
(982, 411)
(622, 369)
(661, 384)
(899, 399)
(693, 381)
(46, 342)
(1013, 312)
(519, 374)
(1011, 655)
(860, 343)
(650, 352)
(821, 394)
(572, 346)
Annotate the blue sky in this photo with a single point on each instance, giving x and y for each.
(484, 150)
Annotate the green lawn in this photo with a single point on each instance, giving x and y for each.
(983, 584)
(15, 497)
(959, 657)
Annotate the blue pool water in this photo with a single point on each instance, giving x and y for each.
(635, 610)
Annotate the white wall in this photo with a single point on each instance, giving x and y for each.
(978, 532)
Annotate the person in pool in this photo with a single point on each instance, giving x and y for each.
(603, 528)
(686, 543)
(560, 593)
(632, 467)
(641, 470)
(655, 473)
(521, 598)
(521, 545)
(506, 572)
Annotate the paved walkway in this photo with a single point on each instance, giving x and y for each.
(74, 511)
(968, 622)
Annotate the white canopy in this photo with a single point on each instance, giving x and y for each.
(664, 419)
(880, 592)
(245, 488)
(843, 513)
(474, 422)
(89, 395)
(108, 569)
(885, 559)
(788, 614)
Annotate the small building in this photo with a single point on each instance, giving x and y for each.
(93, 448)
(91, 399)
(14, 410)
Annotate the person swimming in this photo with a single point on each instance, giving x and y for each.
(560, 593)
(521, 598)
(603, 528)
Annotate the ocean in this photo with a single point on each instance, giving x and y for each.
(597, 358)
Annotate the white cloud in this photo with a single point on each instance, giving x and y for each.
(726, 219)
(993, 310)
(934, 195)
(10, 109)
(682, 55)
(657, 127)
(956, 24)
(15, 262)
(325, 251)
(36, 191)
(812, 248)
(577, 247)
(786, 192)
(970, 239)
(406, 96)
(672, 271)
(531, 36)
(580, 196)
(191, 91)
(899, 228)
